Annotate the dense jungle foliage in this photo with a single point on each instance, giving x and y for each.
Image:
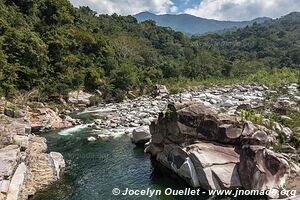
(54, 47)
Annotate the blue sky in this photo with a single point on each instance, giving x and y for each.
(235, 10)
(182, 5)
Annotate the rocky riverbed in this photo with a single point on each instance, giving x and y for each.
(236, 121)
(141, 111)
(209, 138)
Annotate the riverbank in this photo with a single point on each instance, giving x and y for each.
(25, 165)
(107, 123)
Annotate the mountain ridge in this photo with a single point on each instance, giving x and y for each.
(195, 25)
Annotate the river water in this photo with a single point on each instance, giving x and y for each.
(93, 170)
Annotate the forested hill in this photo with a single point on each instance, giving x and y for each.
(51, 46)
(261, 46)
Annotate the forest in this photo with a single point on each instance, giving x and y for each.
(53, 47)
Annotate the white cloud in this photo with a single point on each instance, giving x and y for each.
(243, 9)
(173, 9)
(127, 7)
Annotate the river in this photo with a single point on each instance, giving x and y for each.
(93, 170)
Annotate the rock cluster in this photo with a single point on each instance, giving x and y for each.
(129, 114)
(42, 119)
(45, 118)
(215, 150)
(160, 91)
(25, 167)
(80, 98)
(142, 110)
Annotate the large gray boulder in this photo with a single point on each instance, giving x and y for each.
(43, 168)
(197, 121)
(80, 97)
(141, 135)
(9, 157)
(177, 160)
(262, 169)
(46, 118)
(215, 150)
(216, 166)
(59, 163)
(203, 165)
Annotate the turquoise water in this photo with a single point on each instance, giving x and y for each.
(95, 169)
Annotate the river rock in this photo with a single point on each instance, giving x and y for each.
(59, 163)
(45, 118)
(177, 160)
(22, 141)
(204, 147)
(262, 169)
(25, 167)
(4, 186)
(160, 90)
(9, 157)
(91, 139)
(42, 169)
(287, 132)
(197, 121)
(17, 181)
(141, 135)
(15, 113)
(216, 166)
(80, 97)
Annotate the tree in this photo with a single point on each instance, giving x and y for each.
(94, 78)
(124, 77)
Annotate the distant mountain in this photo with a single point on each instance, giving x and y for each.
(195, 25)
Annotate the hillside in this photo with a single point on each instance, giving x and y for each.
(54, 47)
(194, 25)
(269, 45)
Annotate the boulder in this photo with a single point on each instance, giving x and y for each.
(37, 169)
(195, 120)
(216, 166)
(59, 163)
(42, 169)
(9, 157)
(4, 186)
(203, 165)
(15, 113)
(2, 108)
(141, 135)
(214, 150)
(262, 169)
(80, 97)
(160, 90)
(91, 139)
(153, 149)
(16, 184)
(45, 118)
(177, 160)
(287, 132)
(22, 141)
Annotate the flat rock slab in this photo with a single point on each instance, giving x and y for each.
(216, 166)
(17, 182)
(9, 157)
(210, 154)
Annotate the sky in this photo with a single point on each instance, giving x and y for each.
(235, 10)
